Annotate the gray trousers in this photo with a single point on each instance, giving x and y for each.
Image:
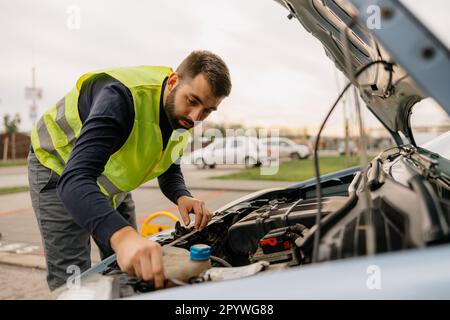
(65, 242)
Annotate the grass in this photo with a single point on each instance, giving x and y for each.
(297, 170)
(7, 190)
(13, 163)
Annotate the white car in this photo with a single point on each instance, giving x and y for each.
(352, 148)
(232, 150)
(286, 148)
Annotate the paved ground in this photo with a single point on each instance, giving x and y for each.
(13, 176)
(22, 283)
(18, 227)
(195, 178)
(20, 244)
(18, 223)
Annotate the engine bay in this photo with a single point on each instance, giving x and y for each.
(275, 230)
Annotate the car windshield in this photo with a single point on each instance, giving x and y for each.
(440, 145)
(431, 127)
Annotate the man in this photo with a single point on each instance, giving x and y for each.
(115, 130)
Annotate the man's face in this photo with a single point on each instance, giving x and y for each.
(189, 101)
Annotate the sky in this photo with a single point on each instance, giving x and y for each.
(280, 74)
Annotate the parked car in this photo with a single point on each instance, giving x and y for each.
(286, 148)
(392, 216)
(352, 148)
(232, 150)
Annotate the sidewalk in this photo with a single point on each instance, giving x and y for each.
(21, 245)
(34, 261)
(203, 179)
(196, 179)
(23, 283)
(13, 176)
(225, 185)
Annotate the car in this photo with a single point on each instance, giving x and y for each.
(246, 150)
(375, 231)
(288, 148)
(352, 148)
(197, 157)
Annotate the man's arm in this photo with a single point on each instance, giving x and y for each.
(107, 113)
(107, 124)
(138, 256)
(106, 127)
(172, 183)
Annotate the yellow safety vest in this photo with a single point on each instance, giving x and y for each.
(140, 159)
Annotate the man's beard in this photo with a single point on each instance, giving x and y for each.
(169, 107)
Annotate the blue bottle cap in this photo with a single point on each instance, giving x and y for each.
(200, 252)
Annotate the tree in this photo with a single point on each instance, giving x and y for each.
(11, 128)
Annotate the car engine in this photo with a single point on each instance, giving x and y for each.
(276, 230)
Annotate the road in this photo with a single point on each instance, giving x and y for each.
(13, 176)
(20, 231)
(18, 226)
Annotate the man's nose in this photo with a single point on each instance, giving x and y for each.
(196, 114)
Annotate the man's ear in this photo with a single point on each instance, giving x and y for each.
(172, 81)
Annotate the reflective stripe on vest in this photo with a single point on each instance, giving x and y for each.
(47, 145)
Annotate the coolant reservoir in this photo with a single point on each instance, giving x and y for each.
(183, 265)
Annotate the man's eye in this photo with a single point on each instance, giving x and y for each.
(191, 102)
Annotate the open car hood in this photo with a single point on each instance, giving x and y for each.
(421, 61)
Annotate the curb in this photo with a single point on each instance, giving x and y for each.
(26, 260)
(23, 260)
(224, 187)
(221, 188)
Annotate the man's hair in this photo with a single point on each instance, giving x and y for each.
(211, 66)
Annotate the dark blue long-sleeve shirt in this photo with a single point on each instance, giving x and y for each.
(106, 110)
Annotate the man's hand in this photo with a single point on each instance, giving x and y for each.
(138, 256)
(187, 205)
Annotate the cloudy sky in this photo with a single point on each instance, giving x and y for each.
(280, 74)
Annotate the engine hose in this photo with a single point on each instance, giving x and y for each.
(221, 261)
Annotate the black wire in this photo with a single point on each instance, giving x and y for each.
(316, 147)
